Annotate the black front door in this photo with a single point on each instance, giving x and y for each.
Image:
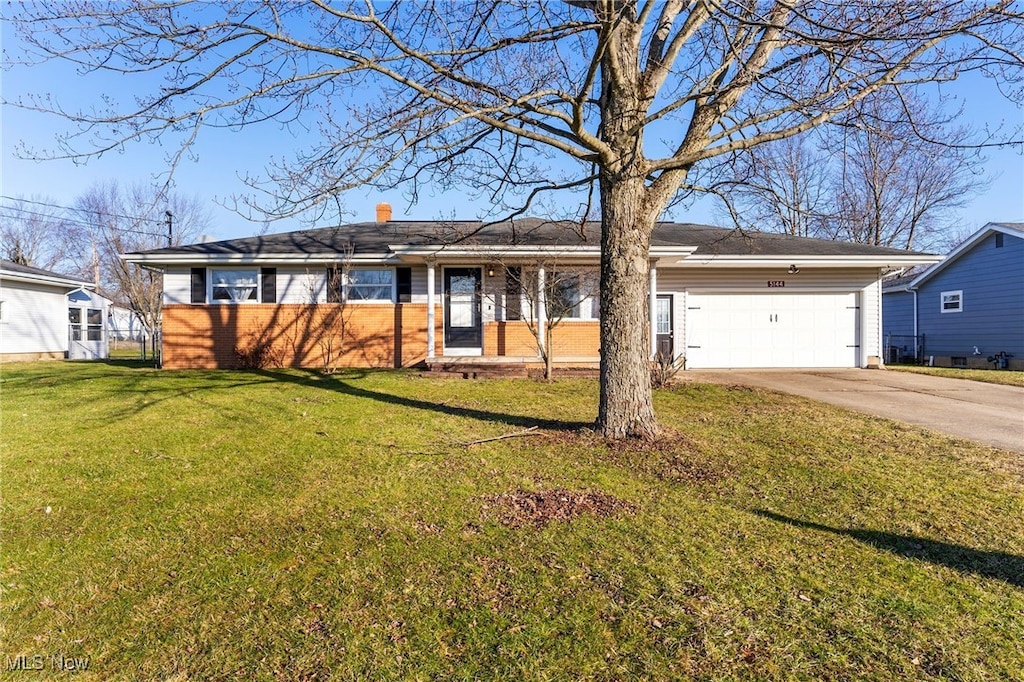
(665, 326)
(462, 323)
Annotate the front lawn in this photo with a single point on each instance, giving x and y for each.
(990, 376)
(284, 525)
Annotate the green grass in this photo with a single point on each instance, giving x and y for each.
(991, 376)
(283, 525)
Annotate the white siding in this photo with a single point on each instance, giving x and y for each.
(756, 279)
(302, 284)
(35, 318)
(177, 285)
(871, 303)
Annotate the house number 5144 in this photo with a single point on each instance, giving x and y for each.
(772, 283)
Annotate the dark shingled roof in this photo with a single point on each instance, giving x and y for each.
(374, 238)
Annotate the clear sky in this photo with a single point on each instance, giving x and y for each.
(223, 156)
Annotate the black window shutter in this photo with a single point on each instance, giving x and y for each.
(269, 277)
(333, 285)
(199, 285)
(513, 293)
(404, 282)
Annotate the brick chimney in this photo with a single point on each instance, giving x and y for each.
(383, 212)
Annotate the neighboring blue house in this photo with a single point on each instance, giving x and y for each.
(966, 311)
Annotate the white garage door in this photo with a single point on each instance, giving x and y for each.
(771, 330)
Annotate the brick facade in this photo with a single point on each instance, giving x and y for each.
(571, 339)
(220, 336)
(375, 335)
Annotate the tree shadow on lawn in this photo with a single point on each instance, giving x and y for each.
(338, 383)
(999, 565)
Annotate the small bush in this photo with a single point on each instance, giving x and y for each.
(664, 368)
(259, 354)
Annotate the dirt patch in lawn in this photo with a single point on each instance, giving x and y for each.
(673, 456)
(538, 508)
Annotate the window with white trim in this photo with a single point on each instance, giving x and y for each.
(570, 294)
(370, 284)
(75, 322)
(952, 301)
(234, 285)
(94, 324)
(360, 284)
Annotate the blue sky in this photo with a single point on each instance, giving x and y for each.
(223, 156)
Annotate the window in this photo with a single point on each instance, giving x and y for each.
(234, 286)
(958, 361)
(94, 320)
(573, 295)
(952, 301)
(999, 240)
(359, 284)
(564, 296)
(369, 285)
(75, 320)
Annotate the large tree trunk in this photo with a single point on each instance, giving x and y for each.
(626, 409)
(627, 219)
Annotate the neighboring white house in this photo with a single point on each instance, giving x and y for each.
(34, 312)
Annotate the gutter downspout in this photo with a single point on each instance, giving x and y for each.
(917, 342)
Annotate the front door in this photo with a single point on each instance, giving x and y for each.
(462, 323)
(664, 324)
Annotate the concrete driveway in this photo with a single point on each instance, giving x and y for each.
(986, 413)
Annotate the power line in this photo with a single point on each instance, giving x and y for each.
(81, 210)
(77, 221)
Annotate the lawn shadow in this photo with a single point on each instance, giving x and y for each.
(338, 383)
(999, 565)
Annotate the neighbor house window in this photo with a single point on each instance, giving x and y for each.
(94, 321)
(369, 285)
(952, 301)
(75, 320)
(234, 286)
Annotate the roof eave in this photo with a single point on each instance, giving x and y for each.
(880, 261)
(963, 248)
(170, 260)
(63, 282)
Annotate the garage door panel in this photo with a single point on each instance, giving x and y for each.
(772, 330)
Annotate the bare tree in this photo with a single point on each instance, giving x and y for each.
(901, 178)
(134, 218)
(37, 232)
(515, 99)
(891, 171)
(781, 187)
(553, 292)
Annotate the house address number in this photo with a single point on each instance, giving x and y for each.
(773, 283)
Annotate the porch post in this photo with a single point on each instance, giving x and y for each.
(653, 310)
(542, 307)
(431, 344)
